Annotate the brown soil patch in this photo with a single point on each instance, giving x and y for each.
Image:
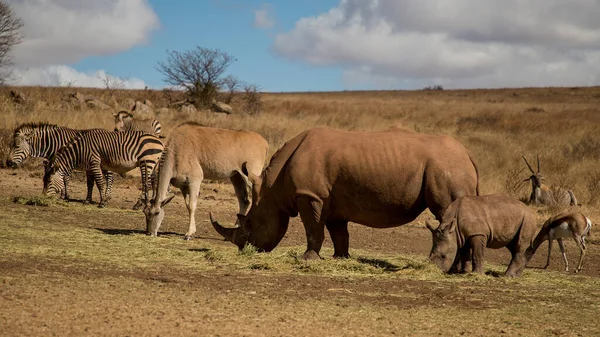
(67, 294)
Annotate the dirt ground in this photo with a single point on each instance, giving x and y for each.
(74, 270)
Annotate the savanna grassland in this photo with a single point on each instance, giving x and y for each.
(68, 269)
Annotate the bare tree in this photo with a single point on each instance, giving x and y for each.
(111, 83)
(201, 71)
(10, 35)
(233, 85)
(252, 99)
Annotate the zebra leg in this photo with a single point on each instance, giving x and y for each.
(109, 177)
(90, 187)
(100, 183)
(66, 180)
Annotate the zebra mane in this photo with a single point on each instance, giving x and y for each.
(32, 126)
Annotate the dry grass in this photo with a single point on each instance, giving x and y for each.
(499, 126)
(62, 278)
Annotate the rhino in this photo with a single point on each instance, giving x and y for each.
(330, 177)
(473, 223)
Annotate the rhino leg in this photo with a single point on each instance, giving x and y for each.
(518, 261)
(461, 254)
(465, 259)
(310, 213)
(478, 244)
(517, 264)
(338, 230)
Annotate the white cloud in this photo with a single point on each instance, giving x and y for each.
(66, 31)
(63, 75)
(458, 43)
(263, 18)
(62, 32)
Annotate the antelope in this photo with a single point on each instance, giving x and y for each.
(193, 153)
(564, 225)
(542, 194)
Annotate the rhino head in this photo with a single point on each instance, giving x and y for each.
(263, 227)
(445, 246)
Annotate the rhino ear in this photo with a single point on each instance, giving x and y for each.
(430, 226)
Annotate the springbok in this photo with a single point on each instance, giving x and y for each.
(564, 225)
(193, 153)
(542, 194)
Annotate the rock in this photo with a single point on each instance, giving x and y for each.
(187, 108)
(161, 111)
(133, 173)
(17, 96)
(97, 104)
(128, 104)
(221, 107)
(81, 98)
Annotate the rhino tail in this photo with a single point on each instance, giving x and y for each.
(476, 171)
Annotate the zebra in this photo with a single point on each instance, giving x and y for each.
(103, 151)
(42, 140)
(124, 121)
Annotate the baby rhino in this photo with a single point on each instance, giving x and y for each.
(470, 224)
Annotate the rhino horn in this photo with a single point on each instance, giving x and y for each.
(230, 234)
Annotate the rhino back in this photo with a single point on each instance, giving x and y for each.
(498, 218)
(376, 178)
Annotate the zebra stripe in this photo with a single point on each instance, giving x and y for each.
(39, 140)
(130, 124)
(99, 151)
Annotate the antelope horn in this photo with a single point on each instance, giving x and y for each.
(230, 234)
(526, 162)
(538, 162)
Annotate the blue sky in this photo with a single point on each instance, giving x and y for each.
(316, 45)
(228, 26)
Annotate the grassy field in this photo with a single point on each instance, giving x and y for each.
(68, 269)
